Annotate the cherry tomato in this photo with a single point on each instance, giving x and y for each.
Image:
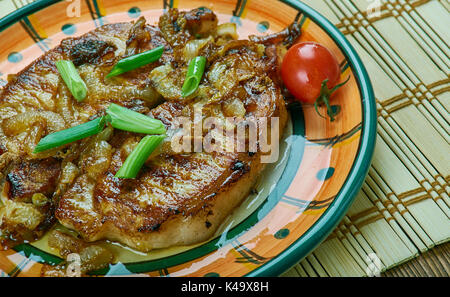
(311, 73)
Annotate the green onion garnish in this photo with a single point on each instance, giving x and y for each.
(125, 119)
(193, 76)
(72, 79)
(136, 61)
(70, 135)
(139, 155)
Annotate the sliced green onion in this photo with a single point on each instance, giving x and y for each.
(139, 155)
(70, 135)
(136, 61)
(193, 76)
(125, 119)
(72, 79)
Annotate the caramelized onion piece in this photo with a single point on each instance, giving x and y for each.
(90, 257)
(234, 108)
(193, 47)
(227, 30)
(22, 122)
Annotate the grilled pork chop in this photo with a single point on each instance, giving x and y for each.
(178, 198)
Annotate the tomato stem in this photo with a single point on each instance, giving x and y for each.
(324, 98)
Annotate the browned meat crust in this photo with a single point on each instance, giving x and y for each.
(31, 177)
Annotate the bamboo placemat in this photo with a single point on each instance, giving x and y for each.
(403, 208)
(434, 262)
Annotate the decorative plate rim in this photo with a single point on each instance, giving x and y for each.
(326, 223)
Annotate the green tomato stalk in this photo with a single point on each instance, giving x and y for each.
(324, 98)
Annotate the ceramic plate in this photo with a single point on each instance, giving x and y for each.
(299, 200)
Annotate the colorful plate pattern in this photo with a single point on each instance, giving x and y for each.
(327, 161)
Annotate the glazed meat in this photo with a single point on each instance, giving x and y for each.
(36, 102)
(178, 198)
